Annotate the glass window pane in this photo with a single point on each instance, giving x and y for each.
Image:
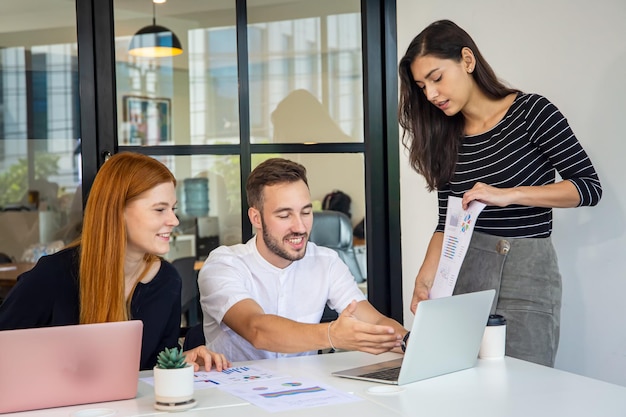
(329, 172)
(40, 153)
(305, 65)
(209, 203)
(187, 99)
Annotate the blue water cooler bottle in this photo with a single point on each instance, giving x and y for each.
(196, 196)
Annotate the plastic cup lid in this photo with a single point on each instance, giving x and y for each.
(496, 320)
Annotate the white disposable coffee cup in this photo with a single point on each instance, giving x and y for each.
(494, 338)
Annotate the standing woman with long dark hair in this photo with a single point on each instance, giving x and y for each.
(473, 137)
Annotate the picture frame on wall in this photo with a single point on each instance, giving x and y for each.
(147, 120)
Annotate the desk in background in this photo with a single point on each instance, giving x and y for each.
(181, 246)
(494, 388)
(9, 274)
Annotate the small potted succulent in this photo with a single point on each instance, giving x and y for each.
(173, 381)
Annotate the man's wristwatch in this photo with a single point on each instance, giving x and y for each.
(405, 340)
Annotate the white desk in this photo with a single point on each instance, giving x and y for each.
(496, 388)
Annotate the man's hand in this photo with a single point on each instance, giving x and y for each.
(350, 333)
(201, 356)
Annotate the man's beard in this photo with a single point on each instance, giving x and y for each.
(274, 245)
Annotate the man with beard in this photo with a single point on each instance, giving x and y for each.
(264, 299)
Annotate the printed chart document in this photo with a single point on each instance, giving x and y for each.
(456, 239)
(288, 394)
(235, 375)
(269, 390)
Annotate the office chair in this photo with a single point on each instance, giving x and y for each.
(333, 229)
(190, 295)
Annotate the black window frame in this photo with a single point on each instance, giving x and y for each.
(95, 27)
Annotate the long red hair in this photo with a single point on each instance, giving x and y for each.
(122, 178)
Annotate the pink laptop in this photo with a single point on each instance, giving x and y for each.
(68, 365)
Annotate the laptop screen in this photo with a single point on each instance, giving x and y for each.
(445, 337)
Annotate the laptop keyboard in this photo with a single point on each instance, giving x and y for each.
(389, 374)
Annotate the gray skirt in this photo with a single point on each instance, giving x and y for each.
(525, 274)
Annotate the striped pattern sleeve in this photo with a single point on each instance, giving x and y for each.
(549, 130)
(526, 148)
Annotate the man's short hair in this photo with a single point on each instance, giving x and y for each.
(271, 172)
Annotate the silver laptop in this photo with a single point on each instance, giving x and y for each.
(69, 365)
(445, 338)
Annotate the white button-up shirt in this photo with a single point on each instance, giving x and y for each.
(298, 292)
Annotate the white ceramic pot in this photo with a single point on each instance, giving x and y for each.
(173, 386)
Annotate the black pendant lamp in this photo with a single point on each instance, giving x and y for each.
(155, 41)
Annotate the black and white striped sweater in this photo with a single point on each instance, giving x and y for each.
(527, 147)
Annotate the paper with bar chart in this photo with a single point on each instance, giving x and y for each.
(456, 239)
(289, 393)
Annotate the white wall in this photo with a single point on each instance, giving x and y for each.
(574, 53)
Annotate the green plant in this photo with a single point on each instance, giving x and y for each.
(14, 180)
(171, 359)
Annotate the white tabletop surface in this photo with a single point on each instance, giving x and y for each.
(494, 388)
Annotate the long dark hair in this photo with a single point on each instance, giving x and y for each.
(432, 138)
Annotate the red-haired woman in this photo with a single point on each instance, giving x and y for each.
(114, 271)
